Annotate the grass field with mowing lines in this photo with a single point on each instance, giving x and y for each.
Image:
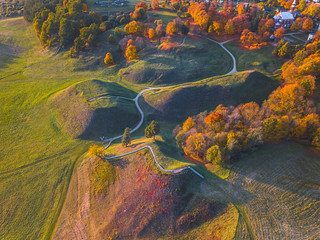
(284, 180)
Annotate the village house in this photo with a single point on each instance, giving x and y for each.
(285, 18)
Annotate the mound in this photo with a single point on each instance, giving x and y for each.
(141, 204)
(92, 109)
(193, 60)
(187, 100)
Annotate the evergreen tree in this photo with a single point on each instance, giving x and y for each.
(126, 139)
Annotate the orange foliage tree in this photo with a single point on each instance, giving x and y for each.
(296, 25)
(151, 33)
(249, 39)
(307, 24)
(142, 5)
(154, 4)
(171, 28)
(279, 33)
(241, 9)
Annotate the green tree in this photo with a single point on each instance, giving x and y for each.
(214, 155)
(152, 130)
(65, 32)
(126, 139)
(111, 39)
(270, 127)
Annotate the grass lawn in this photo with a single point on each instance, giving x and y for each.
(260, 59)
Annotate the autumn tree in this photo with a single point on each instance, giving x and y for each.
(142, 5)
(217, 27)
(307, 24)
(152, 130)
(154, 4)
(214, 155)
(249, 39)
(241, 10)
(171, 28)
(108, 60)
(188, 124)
(131, 52)
(97, 151)
(312, 10)
(151, 33)
(279, 33)
(265, 25)
(126, 138)
(195, 146)
(285, 50)
(301, 6)
(229, 27)
(296, 25)
(134, 27)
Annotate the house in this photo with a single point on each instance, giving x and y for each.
(285, 18)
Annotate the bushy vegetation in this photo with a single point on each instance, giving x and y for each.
(11, 8)
(102, 175)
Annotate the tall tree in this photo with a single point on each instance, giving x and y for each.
(152, 130)
(126, 139)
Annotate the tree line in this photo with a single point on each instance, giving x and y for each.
(290, 112)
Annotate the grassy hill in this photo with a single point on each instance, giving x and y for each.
(80, 117)
(194, 60)
(141, 204)
(189, 99)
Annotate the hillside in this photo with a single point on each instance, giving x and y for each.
(141, 204)
(93, 109)
(189, 99)
(193, 60)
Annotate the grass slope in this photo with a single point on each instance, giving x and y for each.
(259, 59)
(192, 61)
(180, 102)
(109, 116)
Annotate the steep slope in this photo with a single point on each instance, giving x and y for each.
(190, 99)
(93, 109)
(141, 204)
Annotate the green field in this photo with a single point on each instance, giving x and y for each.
(47, 123)
(259, 59)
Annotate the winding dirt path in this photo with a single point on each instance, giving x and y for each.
(136, 99)
(234, 69)
(110, 140)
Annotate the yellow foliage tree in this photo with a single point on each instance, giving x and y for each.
(108, 59)
(131, 52)
(229, 27)
(188, 124)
